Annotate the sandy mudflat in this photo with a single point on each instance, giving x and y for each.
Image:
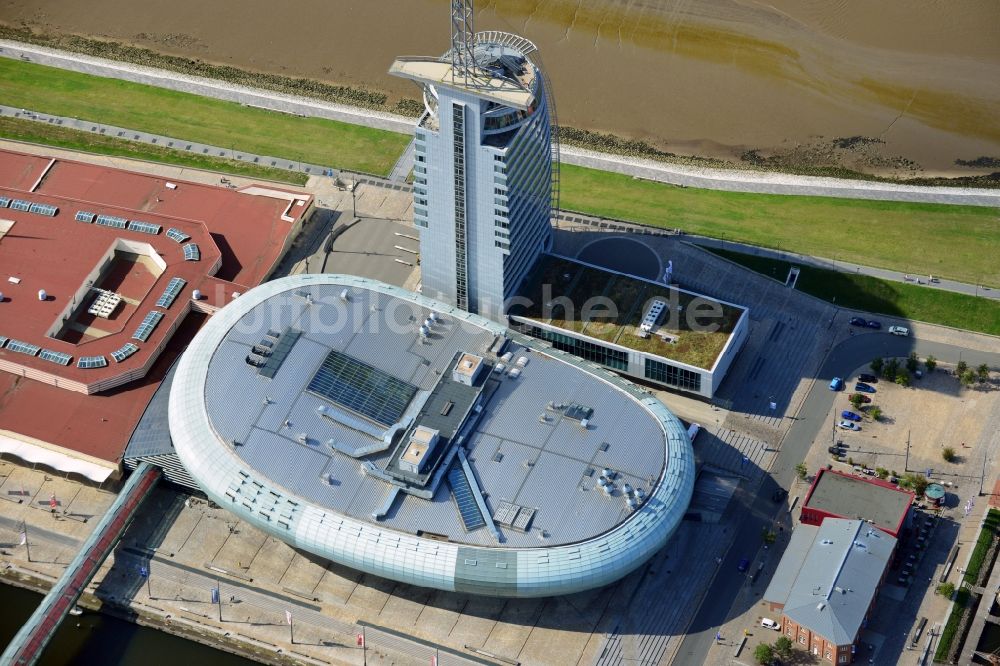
(707, 77)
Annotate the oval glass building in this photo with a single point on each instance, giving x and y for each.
(411, 440)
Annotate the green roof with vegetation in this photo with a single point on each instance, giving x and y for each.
(610, 307)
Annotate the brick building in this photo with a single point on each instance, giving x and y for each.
(834, 494)
(826, 584)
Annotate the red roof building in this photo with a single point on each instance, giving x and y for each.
(835, 494)
(98, 269)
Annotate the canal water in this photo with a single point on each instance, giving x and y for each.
(94, 639)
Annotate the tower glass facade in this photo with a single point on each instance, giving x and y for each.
(482, 174)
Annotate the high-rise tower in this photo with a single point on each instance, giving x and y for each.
(484, 175)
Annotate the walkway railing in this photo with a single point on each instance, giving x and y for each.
(29, 642)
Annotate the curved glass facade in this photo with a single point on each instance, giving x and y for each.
(404, 556)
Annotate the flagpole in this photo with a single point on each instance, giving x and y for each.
(24, 531)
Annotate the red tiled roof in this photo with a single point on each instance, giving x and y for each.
(240, 237)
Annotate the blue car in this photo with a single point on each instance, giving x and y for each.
(874, 324)
(861, 387)
(836, 384)
(858, 321)
(850, 416)
(743, 565)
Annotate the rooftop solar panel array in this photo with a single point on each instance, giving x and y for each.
(87, 362)
(368, 391)
(84, 216)
(191, 252)
(170, 293)
(58, 358)
(148, 325)
(22, 347)
(111, 221)
(20, 204)
(44, 209)
(177, 235)
(144, 227)
(124, 352)
(4, 202)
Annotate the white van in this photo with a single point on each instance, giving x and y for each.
(768, 623)
(899, 330)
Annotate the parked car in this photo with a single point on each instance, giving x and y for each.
(867, 377)
(874, 324)
(836, 384)
(743, 565)
(849, 425)
(835, 450)
(768, 623)
(850, 416)
(858, 321)
(899, 330)
(864, 388)
(863, 399)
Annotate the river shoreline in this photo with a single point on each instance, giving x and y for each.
(151, 618)
(823, 140)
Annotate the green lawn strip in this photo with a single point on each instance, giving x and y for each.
(959, 242)
(198, 119)
(63, 137)
(982, 547)
(896, 299)
(951, 626)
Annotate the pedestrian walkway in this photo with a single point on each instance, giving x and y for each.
(927, 280)
(27, 645)
(192, 147)
(735, 180)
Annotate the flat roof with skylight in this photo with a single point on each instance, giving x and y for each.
(437, 433)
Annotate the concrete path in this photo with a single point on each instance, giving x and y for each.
(404, 164)
(848, 267)
(174, 143)
(677, 174)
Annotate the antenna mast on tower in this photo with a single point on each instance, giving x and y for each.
(462, 41)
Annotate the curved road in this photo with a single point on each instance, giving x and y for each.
(676, 174)
(758, 511)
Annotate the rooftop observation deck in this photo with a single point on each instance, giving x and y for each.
(518, 93)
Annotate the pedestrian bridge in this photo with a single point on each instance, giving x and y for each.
(29, 642)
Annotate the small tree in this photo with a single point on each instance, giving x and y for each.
(983, 373)
(903, 378)
(961, 368)
(912, 362)
(891, 369)
(930, 363)
(916, 482)
(857, 400)
(882, 472)
(801, 470)
(948, 454)
(767, 536)
(946, 590)
(783, 646)
(875, 412)
(967, 377)
(764, 653)
(877, 364)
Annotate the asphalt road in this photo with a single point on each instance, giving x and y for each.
(757, 511)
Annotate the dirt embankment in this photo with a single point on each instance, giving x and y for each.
(895, 88)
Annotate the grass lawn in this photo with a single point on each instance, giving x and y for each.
(195, 118)
(64, 137)
(959, 242)
(870, 294)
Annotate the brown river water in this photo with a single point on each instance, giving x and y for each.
(919, 79)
